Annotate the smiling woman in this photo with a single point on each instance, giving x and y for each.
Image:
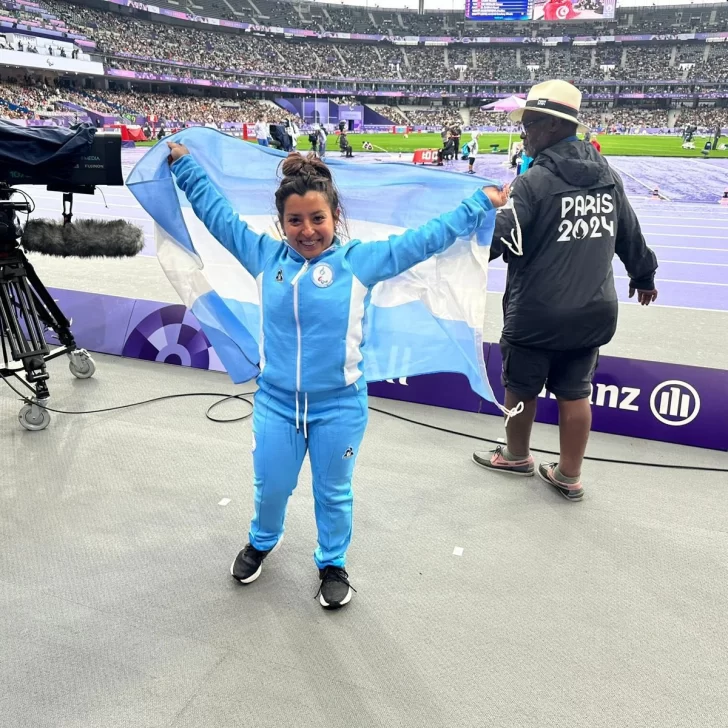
(315, 291)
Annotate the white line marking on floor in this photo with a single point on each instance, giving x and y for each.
(690, 247)
(693, 262)
(686, 235)
(655, 305)
(676, 216)
(224, 502)
(682, 308)
(673, 225)
(671, 280)
(457, 551)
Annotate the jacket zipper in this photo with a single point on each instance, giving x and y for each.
(294, 283)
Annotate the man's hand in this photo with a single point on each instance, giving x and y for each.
(176, 151)
(644, 297)
(496, 196)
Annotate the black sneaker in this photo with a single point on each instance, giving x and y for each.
(249, 563)
(335, 590)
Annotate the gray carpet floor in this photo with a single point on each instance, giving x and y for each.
(117, 608)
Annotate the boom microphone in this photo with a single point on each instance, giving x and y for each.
(83, 238)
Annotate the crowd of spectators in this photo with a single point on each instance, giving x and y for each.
(34, 98)
(705, 118)
(373, 20)
(433, 116)
(186, 52)
(367, 19)
(213, 52)
(27, 97)
(633, 120)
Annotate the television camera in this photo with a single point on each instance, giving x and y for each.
(71, 162)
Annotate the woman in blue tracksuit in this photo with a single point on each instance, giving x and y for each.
(311, 391)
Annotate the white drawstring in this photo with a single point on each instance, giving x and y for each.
(515, 244)
(305, 415)
(510, 412)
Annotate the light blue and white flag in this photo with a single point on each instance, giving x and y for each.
(426, 320)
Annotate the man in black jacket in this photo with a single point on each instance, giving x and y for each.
(569, 217)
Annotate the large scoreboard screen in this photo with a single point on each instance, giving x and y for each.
(544, 10)
(491, 10)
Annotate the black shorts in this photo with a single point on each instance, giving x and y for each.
(567, 374)
(471, 161)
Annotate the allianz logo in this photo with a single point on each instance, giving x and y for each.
(672, 402)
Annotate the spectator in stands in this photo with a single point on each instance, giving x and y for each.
(560, 303)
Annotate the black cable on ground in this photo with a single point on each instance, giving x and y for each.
(242, 397)
(668, 466)
(225, 397)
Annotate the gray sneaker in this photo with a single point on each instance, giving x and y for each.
(570, 491)
(494, 460)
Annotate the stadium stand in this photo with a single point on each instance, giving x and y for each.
(188, 52)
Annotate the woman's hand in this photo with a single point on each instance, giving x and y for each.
(496, 196)
(178, 150)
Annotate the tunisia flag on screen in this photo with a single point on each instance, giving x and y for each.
(559, 10)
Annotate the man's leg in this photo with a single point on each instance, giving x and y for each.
(575, 417)
(523, 376)
(570, 379)
(518, 429)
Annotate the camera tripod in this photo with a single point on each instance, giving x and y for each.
(27, 312)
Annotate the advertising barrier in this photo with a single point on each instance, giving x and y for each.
(653, 400)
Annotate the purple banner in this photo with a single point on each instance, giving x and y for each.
(99, 322)
(653, 400)
(644, 399)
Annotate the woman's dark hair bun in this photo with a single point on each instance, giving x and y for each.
(296, 164)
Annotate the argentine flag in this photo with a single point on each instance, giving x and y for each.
(426, 320)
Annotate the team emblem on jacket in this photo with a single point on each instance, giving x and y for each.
(279, 276)
(349, 453)
(323, 275)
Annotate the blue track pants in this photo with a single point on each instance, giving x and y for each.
(330, 426)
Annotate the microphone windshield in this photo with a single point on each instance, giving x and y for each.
(83, 238)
